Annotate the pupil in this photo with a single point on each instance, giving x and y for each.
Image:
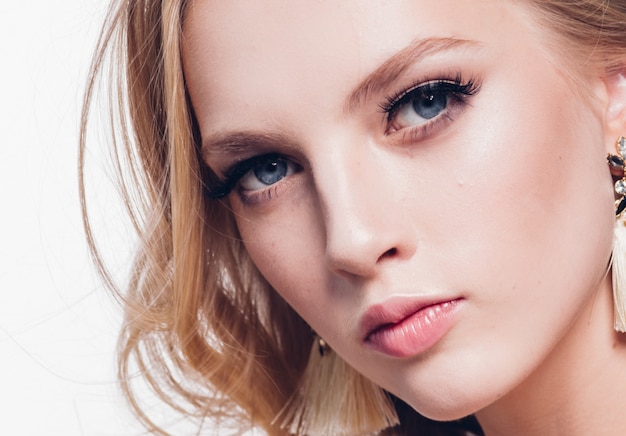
(430, 106)
(271, 171)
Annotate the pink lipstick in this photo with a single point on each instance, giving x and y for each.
(403, 327)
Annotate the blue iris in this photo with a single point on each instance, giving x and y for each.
(429, 106)
(271, 170)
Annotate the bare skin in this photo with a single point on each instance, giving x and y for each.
(486, 190)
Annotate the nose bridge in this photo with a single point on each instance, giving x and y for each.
(363, 220)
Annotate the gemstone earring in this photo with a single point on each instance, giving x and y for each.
(617, 165)
(618, 169)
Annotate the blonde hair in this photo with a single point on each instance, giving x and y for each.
(202, 327)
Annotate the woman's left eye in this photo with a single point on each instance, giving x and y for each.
(425, 102)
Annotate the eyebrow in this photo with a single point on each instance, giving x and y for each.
(399, 62)
(238, 142)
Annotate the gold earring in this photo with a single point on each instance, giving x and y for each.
(322, 346)
(618, 258)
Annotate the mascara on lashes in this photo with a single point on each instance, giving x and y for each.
(220, 188)
(453, 88)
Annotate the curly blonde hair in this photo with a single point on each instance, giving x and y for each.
(204, 329)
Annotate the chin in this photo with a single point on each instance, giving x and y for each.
(450, 407)
(450, 414)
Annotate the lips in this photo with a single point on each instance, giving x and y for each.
(404, 327)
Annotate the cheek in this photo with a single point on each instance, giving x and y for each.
(534, 183)
(286, 244)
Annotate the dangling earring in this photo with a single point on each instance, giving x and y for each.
(333, 398)
(618, 259)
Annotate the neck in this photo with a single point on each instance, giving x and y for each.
(580, 389)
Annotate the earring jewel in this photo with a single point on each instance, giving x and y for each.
(617, 166)
(322, 346)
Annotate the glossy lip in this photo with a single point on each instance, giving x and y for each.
(406, 326)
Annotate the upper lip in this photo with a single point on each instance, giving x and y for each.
(393, 311)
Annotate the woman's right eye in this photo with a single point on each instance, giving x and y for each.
(253, 176)
(264, 171)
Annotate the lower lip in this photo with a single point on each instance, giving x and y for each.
(416, 333)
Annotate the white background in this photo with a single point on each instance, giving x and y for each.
(58, 326)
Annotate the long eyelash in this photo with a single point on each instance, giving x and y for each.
(455, 87)
(219, 188)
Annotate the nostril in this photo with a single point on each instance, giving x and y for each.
(389, 253)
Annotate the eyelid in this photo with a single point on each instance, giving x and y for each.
(456, 89)
(221, 187)
(455, 86)
(220, 150)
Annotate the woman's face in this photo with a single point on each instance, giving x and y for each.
(418, 179)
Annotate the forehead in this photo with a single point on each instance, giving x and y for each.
(238, 52)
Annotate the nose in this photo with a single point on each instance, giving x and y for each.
(366, 221)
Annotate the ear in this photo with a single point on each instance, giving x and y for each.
(615, 106)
